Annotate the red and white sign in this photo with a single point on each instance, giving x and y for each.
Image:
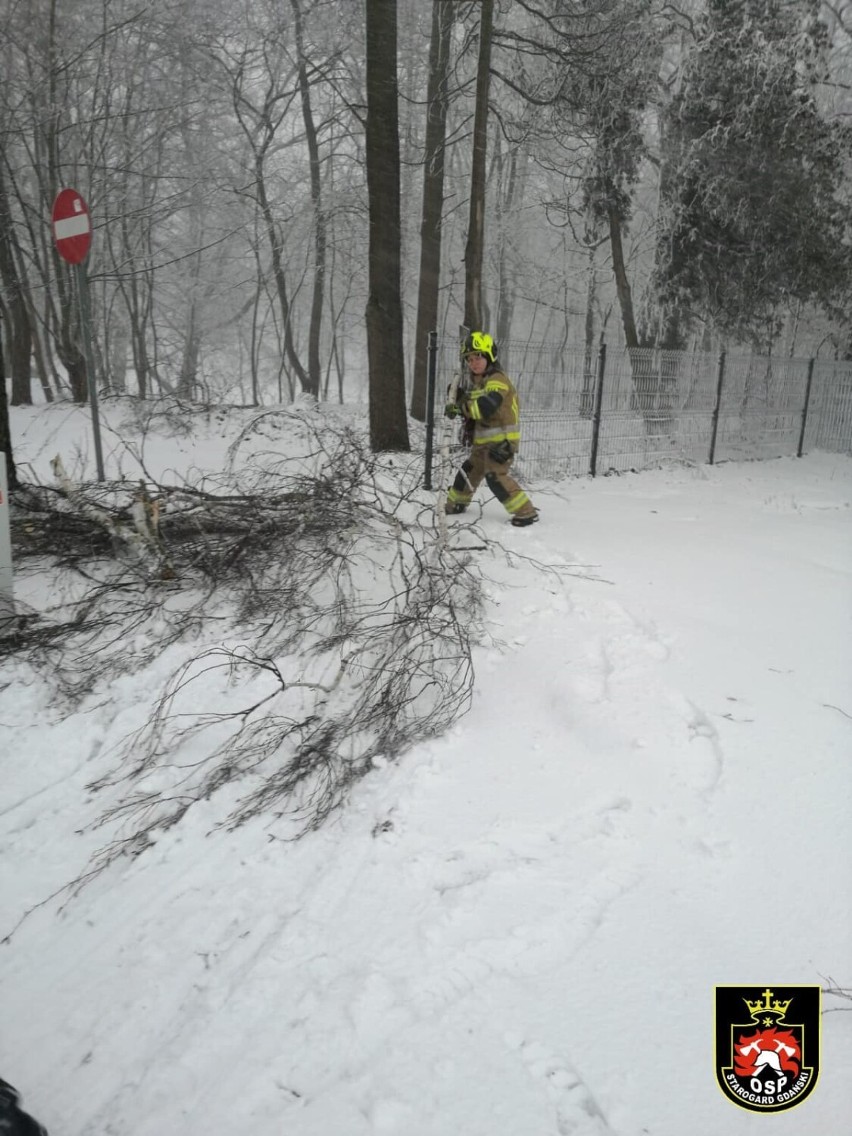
(72, 226)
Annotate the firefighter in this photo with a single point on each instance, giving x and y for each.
(13, 1120)
(490, 408)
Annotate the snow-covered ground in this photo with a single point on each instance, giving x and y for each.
(516, 929)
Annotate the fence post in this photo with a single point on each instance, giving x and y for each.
(596, 414)
(431, 368)
(806, 407)
(717, 406)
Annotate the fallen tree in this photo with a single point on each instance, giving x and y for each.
(334, 631)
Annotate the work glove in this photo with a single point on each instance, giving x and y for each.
(501, 451)
(452, 410)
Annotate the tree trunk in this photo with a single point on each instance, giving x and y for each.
(40, 362)
(587, 398)
(473, 253)
(318, 297)
(653, 389)
(187, 383)
(75, 365)
(276, 245)
(669, 326)
(388, 424)
(5, 431)
(117, 359)
(139, 346)
(67, 335)
(622, 284)
(17, 312)
(433, 198)
(21, 344)
(507, 199)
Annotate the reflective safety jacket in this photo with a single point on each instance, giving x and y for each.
(493, 410)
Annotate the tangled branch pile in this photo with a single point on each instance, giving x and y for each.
(353, 630)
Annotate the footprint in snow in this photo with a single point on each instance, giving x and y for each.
(577, 1113)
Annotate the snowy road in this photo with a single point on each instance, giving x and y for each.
(516, 930)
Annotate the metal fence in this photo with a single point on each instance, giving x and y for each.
(615, 409)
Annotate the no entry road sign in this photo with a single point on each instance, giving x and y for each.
(72, 226)
(72, 232)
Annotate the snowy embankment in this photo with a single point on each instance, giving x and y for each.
(517, 928)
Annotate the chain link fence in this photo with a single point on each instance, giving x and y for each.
(614, 409)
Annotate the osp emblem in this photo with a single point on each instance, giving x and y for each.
(770, 1062)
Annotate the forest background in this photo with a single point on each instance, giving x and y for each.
(285, 196)
(266, 177)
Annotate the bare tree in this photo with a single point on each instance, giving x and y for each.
(264, 87)
(320, 224)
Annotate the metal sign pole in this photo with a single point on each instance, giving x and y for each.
(86, 327)
(7, 599)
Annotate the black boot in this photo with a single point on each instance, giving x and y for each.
(522, 522)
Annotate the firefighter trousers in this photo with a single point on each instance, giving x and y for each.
(481, 466)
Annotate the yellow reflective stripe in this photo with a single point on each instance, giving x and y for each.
(458, 498)
(496, 434)
(473, 409)
(516, 502)
(474, 412)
